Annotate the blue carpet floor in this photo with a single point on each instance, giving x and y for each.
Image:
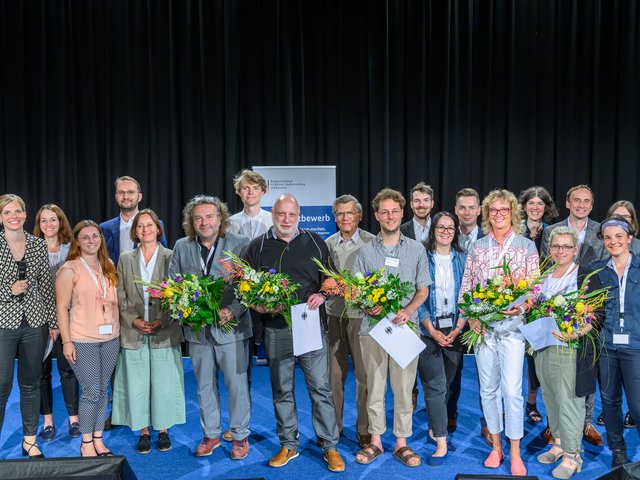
(180, 463)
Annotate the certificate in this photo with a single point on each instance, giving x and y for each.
(305, 326)
(539, 335)
(518, 301)
(398, 341)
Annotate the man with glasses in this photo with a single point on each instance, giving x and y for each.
(116, 231)
(344, 325)
(407, 258)
(580, 200)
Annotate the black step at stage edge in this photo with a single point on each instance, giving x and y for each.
(73, 468)
(630, 471)
(467, 476)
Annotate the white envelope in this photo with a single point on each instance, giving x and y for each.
(306, 331)
(538, 333)
(398, 341)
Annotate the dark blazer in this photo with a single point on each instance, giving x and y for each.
(131, 301)
(111, 231)
(592, 249)
(407, 229)
(38, 304)
(186, 259)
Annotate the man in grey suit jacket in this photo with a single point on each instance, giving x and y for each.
(421, 204)
(580, 200)
(205, 220)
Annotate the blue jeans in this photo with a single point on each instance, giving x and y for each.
(616, 367)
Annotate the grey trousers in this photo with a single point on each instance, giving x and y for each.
(556, 369)
(437, 368)
(232, 360)
(279, 345)
(344, 339)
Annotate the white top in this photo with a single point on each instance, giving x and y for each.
(422, 233)
(445, 285)
(467, 240)
(125, 235)
(251, 227)
(146, 272)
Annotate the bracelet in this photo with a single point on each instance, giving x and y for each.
(324, 294)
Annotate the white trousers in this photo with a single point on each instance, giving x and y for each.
(499, 360)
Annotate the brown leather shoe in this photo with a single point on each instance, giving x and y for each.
(282, 457)
(592, 436)
(364, 439)
(207, 445)
(226, 436)
(487, 436)
(548, 436)
(334, 461)
(240, 449)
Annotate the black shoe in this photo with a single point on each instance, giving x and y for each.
(48, 433)
(27, 451)
(74, 430)
(144, 444)
(629, 422)
(618, 458)
(600, 420)
(164, 443)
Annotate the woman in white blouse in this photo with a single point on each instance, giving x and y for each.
(149, 382)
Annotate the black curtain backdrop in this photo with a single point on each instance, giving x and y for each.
(183, 94)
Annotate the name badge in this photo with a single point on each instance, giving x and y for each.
(105, 329)
(445, 322)
(391, 262)
(621, 339)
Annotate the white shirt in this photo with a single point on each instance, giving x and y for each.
(125, 235)
(146, 272)
(445, 285)
(422, 233)
(467, 240)
(353, 241)
(251, 227)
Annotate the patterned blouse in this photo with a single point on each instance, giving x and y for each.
(38, 304)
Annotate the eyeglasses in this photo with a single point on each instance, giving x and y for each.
(129, 193)
(86, 238)
(346, 214)
(442, 229)
(502, 211)
(562, 248)
(387, 213)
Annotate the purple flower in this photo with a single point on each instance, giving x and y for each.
(375, 282)
(476, 300)
(543, 298)
(179, 314)
(567, 318)
(588, 319)
(572, 310)
(272, 271)
(196, 294)
(368, 274)
(178, 278)
(576, 326)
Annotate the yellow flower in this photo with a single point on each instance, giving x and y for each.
(522, 284)
(509, 298)
(383, 299)
(491, 295)
(244, 287)
(579, 307)
(266, 288)
(186, 313)
(168, 293)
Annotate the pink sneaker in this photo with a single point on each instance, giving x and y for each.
(517, 468)
(494, 459)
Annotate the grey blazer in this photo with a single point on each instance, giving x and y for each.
(131, 300)
(186, 259)
(592, 249)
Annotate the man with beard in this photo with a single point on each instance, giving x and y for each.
(407, 258)
(421, 204)
(289, 249)
(116, 231)
(214, 350)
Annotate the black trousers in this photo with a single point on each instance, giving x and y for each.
(29, 344)
(67, 380)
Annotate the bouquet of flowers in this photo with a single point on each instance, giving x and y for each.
(270, 289)
(367, 291)
(486, 304)
(192, 300)
(572, 311)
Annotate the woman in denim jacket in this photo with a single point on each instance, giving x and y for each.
(438, 317)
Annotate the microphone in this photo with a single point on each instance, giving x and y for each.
(22, 273)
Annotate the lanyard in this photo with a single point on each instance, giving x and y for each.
(501, 252)
(206, 268)
(445, 274)
(102, 293)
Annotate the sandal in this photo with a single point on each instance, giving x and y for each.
(533, 414)
(106, 453)
(404, 459)
(369, 452)
(86, 442)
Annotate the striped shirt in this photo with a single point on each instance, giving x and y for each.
(412, 267)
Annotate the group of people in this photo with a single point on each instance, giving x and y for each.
(77, 295)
